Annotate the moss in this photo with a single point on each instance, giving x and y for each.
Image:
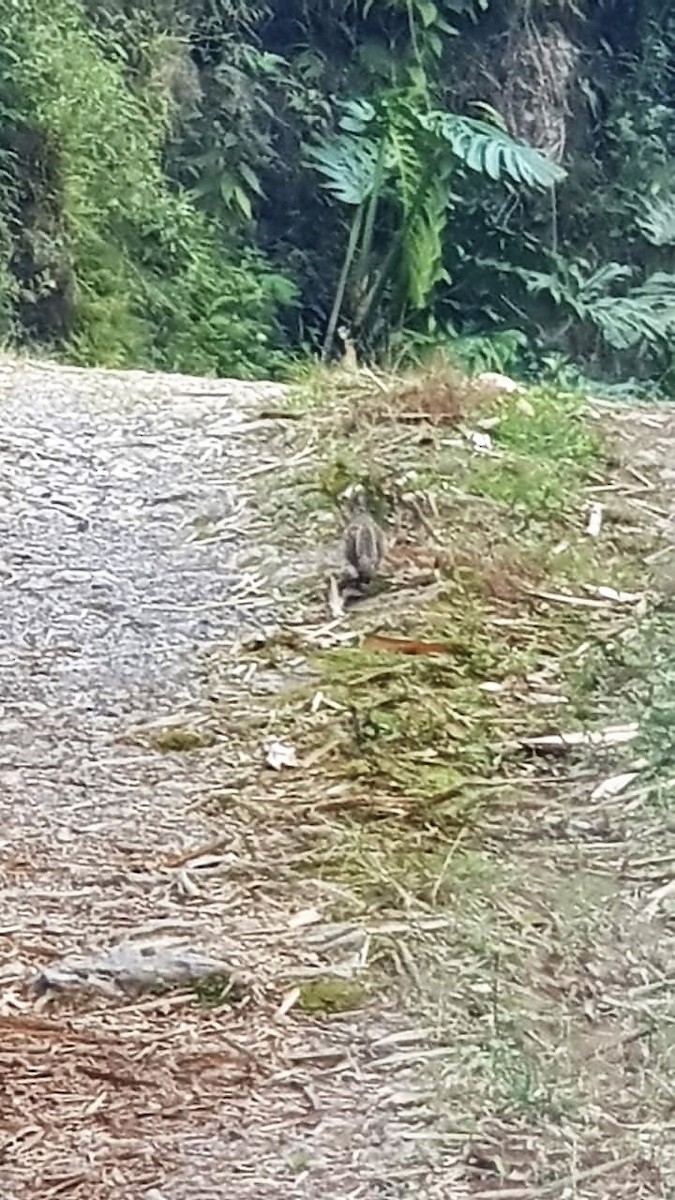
(176, 739)
(331, 996)
(217, 990)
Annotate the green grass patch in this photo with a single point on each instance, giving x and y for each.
(427, 741)
(419, 746)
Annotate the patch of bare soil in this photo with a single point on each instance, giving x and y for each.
(526, 1049)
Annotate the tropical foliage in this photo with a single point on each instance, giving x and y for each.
(218, 187)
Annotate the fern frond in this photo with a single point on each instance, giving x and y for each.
(423, 246)
(422, 193)
(403, 157)
(598, 283)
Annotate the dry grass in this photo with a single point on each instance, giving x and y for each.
(440, 395)
(435, 394)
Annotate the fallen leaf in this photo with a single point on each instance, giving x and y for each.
(278, 755)
(594, 526)
(335, 601)
(481, 442)
(612, 735)
(403, 645)
(611, 594)
(572, 601)
(503, 383)
(613, 786)
(662, 893)
(289, 1001)
(305, 916)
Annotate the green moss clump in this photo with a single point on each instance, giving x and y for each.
(217, 990)
(331, 996)
(182, 738)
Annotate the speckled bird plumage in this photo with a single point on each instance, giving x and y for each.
(364, 545)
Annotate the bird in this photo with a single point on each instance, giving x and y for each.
(364, 546)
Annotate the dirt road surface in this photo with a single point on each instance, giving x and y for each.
(126, 531)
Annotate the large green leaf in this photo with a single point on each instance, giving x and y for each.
(356, 115)
(657, 221)
(348, 165)
(405, 157)
(430, 13)
(492, 151)
(645, 315)
(596, 285)
(573, 284)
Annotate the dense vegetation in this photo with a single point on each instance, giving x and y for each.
(219, 186)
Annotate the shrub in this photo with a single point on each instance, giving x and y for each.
(152, 282)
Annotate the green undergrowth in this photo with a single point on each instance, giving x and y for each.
(492, 887)
(103, 257)
(420, 746)
(176, 739)
(639, 668)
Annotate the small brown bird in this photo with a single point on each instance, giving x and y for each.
(364, 546)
